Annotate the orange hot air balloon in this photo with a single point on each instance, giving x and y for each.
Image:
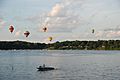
(50, 38)
(11, 28)
(45, 29)
(27, 33)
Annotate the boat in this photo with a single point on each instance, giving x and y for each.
(44, 68)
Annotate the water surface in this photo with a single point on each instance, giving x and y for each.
(70, 64)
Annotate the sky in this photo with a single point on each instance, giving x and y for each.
(65, 20)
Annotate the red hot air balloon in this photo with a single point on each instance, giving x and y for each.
(11, 28)
(44, 29)
(27, 33)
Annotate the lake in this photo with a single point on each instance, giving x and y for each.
(70, 64)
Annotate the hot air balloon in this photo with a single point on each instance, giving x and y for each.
(50, 38)
(11, 28)
(45, 29)
(93, 30)
(27, 33)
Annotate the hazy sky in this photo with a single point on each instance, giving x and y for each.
(65, 19)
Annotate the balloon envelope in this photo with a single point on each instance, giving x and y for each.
(27, 33)
(50, 38)
(44, 29)
(11, 28)
(93, 30)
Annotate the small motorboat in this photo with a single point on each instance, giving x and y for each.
(44, 68)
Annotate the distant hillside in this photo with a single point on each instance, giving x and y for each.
(9, 45)
(65, 45)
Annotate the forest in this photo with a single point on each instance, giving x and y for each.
(64, 45)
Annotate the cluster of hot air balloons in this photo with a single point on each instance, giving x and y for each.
(27, 33)
(45, 30)
(11, 29)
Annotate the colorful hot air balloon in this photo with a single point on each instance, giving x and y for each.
(93, 30)
(11, 28)
(50, 38)
(45, 29)
(27, 33)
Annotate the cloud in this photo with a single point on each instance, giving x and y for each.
(112, 29)
(109, 33)
(62, 18)
(62, 24)
(70, 16)
(35, 18)
(99, 34)
(113, 34)
(18, 33)
(2, 23)
(56, 10)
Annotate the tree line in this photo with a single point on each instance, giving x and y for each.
(65, 45)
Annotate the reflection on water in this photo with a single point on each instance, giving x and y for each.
(71, 65)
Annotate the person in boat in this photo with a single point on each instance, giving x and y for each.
(40, 66)
(43, 65)
(44, 68)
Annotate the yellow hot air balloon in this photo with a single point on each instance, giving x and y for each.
(50, 38)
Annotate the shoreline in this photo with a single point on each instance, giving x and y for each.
(65, 45)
